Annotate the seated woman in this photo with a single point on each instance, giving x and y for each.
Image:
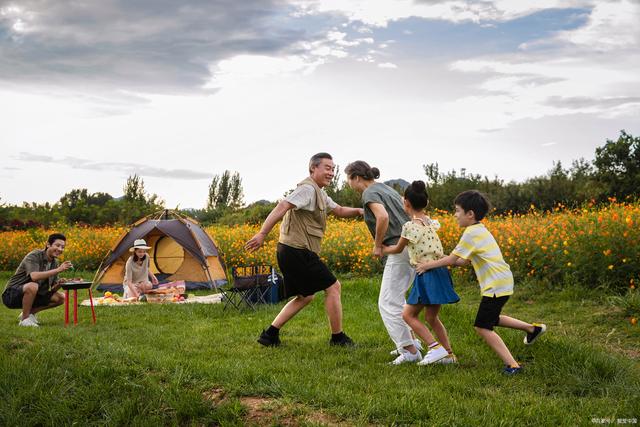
(138, 279)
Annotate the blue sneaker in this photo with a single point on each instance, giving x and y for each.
(508, 370)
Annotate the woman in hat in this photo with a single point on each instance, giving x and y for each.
(138, 279)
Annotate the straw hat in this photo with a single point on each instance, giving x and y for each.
(139, 244)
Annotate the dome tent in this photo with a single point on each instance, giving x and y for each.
(180, 250)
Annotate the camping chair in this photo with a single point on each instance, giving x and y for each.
(251, 285)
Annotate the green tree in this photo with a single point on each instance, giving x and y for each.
(617, 165)
(136, 203)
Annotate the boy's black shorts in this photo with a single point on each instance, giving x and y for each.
(489, 312)
(12, 298)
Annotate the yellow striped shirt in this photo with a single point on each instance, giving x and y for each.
(479, 246)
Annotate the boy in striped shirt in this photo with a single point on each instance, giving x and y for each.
(479, 247)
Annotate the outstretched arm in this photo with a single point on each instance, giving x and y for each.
(276, 215)
(347, 212)
(442, 262)
(395, 249)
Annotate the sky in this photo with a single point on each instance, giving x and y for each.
(177, 92)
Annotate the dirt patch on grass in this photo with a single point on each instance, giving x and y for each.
(266, 411)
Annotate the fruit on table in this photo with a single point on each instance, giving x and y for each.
(107, 294)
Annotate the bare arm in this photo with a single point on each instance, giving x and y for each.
(153, 278)
(382, 224)
(41, 275)
(347, 212)
(442, 262)
(276, 215)
(395, 249)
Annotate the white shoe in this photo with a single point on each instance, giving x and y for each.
(406, 357)
(417, 343)
(28, 322)
(31, 316)
(433, 355)
(449, 359)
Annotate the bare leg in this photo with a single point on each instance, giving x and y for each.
(145, 287)
(333, 307)
(510, 322)
(495, 342)
(29, 292)
(56, 300)
(291, 309)
(410, 314)
(431, 316)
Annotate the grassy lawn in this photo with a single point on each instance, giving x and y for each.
(197, 365)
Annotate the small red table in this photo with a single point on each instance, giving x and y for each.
(75, 286)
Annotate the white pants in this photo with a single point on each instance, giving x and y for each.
(396, 279)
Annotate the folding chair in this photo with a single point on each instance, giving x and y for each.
(251, 286)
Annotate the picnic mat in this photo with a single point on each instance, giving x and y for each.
(110, 302)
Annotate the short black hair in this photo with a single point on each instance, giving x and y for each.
(55, 236)
(473, 200)
(416, 194)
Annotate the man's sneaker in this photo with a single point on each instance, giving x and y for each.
(268, 340)
(417, 343)
(538, 329)
(449, 359)
(29, 322)
(31, 316)
(343, 341)
(406, 357)
(508, 370)
(433, 355)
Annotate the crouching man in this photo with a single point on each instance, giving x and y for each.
(33, 287)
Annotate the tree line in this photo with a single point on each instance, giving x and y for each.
(614, 172)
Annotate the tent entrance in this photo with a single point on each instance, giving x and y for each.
(167, 255)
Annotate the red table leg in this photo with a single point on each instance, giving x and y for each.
(75, 306)
(66, 308)
(93, 312)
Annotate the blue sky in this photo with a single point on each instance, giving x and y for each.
(179, 92)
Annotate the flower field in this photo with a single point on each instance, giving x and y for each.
(589, 246)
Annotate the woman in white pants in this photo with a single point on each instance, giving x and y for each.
(384, 215)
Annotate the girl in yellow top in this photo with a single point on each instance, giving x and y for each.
(431, 289)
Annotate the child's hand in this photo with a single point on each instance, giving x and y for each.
(423, 266)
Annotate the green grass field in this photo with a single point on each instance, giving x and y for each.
(197, 365)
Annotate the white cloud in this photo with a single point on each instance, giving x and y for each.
(595, 74)
(380, 12)
(387, 65)
(610, 25)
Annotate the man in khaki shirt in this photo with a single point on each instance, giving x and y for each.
(303, 214)
(33, 287)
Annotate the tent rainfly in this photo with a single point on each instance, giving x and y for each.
(180, 250)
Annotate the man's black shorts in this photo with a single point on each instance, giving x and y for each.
(12, 298)
(303, 271)
(489, 312)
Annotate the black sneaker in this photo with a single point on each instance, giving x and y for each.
(343, 341)
(268, 340)
(508, 370)
(538, 329)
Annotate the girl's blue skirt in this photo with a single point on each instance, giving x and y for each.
(433, 287)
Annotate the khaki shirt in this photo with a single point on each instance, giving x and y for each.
(35, 261)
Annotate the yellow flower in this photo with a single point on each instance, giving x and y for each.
(610, 267)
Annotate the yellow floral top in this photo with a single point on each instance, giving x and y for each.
(424, 243)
